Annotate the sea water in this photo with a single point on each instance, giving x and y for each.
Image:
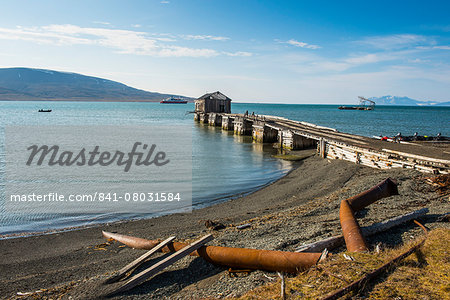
(224, 165)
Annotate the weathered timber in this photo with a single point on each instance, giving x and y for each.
(213, 103)
(359, 284)
(203, 118)
(264, 134)
(419, 157)
(294, 140)
(337, 241)
(137, 262)
(215, 119)
(330, 143)
(242, 126)
(239, 258)
(227, 122)
(144, 275)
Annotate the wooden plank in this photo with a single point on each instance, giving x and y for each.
(441, 161)
(139, 261)
(336, 241)
(142, 276)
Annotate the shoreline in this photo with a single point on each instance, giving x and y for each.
(216, 201)
(50, 247)
(298, 208)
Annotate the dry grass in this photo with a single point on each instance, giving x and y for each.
(423, 275)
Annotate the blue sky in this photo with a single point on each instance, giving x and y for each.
(253, 51)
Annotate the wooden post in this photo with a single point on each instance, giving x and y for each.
(283, 285)
(322, 148)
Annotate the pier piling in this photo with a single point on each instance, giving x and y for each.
(330, 143)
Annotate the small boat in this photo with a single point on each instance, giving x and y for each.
(174, 100)
(364, 104)
(45, 110)
(354, 108)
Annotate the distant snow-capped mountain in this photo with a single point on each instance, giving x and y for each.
(396, 100)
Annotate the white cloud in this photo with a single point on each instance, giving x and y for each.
(205, 37)
(396, 41)
(101, 22)
(176, 51)
(317, 64)
(136, 25)
(165, 2)
(164, 39)
(123, 41)
(442, 47)
(239, 53)
(371, 58)
(301, 44)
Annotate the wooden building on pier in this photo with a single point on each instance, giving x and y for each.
(213, 103)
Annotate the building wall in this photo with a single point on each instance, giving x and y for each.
(213, 105)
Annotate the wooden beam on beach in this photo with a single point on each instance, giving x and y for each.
(361, 283)
(139, 261)
(336, 241)
(414, 156)
(144, 275)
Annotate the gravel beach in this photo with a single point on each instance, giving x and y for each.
(299, 208)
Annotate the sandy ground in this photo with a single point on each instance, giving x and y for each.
(301, 207)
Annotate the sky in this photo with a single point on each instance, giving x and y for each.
(319, 52)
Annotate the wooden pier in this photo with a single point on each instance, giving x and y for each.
(332, 144)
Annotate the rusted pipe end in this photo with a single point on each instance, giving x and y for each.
(139, 243)
(240, 258)
(385, 188)
(392, 186)
(131, 241)
(351, 231)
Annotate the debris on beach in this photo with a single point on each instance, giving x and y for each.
(351, 231)
(358, 284)
(242, 260)
(243, 226)
(214, 225)
(337, 241)
(239, 258)
(440, 183)
(338, 273)
(155, 268)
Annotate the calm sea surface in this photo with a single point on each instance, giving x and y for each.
(223, 165)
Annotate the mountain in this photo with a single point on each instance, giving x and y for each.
(395, 100)
(40, 84)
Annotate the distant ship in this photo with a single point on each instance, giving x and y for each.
(364, 104)
(174, 100)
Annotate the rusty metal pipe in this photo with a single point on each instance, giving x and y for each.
(383, 189)
(351, 231)
(242, 258)
(360, 283)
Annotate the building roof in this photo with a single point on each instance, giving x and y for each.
(216, 95)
